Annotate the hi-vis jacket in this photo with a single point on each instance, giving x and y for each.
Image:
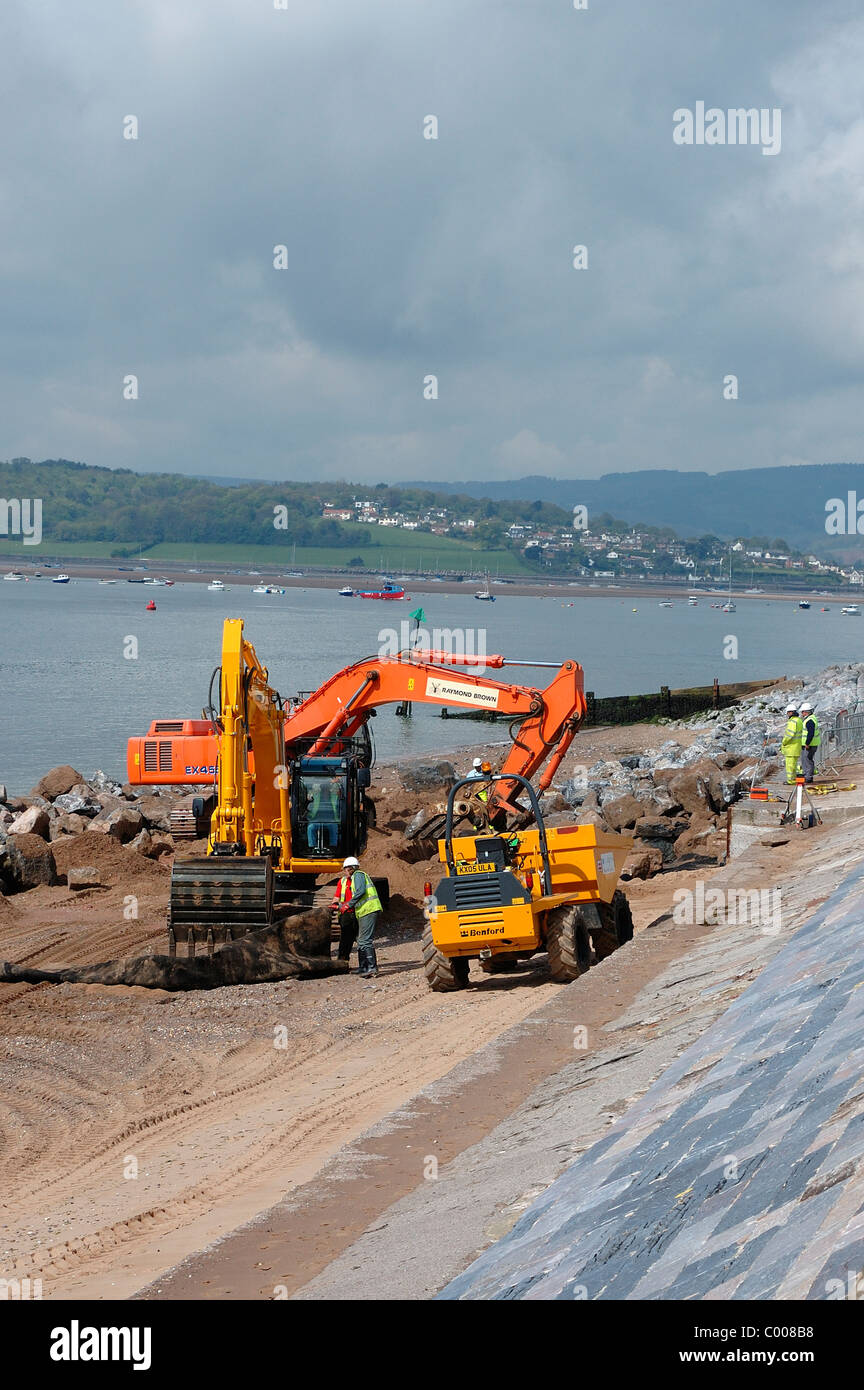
(793, 736)
(812, 732)
(360, 892)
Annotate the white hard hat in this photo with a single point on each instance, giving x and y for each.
(478, 762)
(350, 862)
(791, 709)
(806, 705)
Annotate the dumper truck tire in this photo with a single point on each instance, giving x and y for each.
(568, 940)
(443, 974)
(616, 926)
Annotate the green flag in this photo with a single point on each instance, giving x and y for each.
(418, 614)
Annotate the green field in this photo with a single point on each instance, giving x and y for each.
(69, 550)
(399, 550)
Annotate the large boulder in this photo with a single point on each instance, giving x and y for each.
(623, 812)
(665, 848)
(34, 821)
(642, 863)
(56, 782)
(156, 811)
(687, 786)
(101, 783)
(423, 777)
(700, 838)
(73, 803)
(574, 791)
(659, 827)
(122, 824)
(68, 824)
(28, 861)
(658, 801)
(150, 845)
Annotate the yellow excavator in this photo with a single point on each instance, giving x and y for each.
(253, 868)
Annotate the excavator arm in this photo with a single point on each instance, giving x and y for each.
(252, 802)
(544, 722)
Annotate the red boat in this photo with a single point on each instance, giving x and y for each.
(151, 607)
(386, 591)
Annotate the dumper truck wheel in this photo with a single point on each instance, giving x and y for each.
(616, 926)
(568, 940)
(442, 973)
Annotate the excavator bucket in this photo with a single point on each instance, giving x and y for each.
(217, 899)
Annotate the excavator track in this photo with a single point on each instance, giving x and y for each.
(215, 900)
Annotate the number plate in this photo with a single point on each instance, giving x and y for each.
(475, 868)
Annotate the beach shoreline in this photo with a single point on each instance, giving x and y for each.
(518, 588)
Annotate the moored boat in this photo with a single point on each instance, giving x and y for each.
(386, 591)
(485, 595)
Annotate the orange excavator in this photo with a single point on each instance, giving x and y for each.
(290, 777)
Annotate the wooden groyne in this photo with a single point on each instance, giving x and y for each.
(665, 703)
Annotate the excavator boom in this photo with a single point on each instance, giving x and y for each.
(545, 720)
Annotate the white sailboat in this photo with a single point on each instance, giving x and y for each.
(729, 606)
(485, 594)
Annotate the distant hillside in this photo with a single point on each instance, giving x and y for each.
(531, 519)
(136, 511)
(785, 501)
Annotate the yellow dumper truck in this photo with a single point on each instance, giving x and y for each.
(507, 895)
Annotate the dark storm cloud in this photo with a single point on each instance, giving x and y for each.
(407, 257)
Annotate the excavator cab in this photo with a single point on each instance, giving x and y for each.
(328, 808)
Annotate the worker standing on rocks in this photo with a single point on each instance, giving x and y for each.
(476, 770)
(811, 739)
(480, 815)
(790, 745)
(359, 909)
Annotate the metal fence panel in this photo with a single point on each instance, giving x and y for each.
(841, 739)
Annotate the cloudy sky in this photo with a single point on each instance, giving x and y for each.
(409, 257)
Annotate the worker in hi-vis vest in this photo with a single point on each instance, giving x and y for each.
(359, 909)
(790, 744)
(811, 739)
(480, 813)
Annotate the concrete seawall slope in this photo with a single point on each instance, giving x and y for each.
(740, 1173)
